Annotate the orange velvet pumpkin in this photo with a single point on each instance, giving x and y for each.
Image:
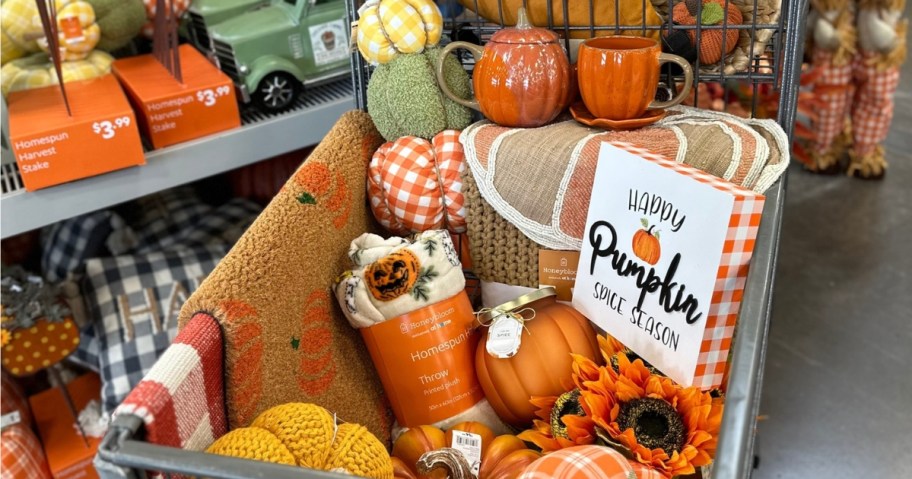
(541, 367)
(646, 246)
(523, 78)
(502, 457)
(393, 275)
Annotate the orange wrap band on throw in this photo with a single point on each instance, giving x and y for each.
(407, 297)
(425, 360)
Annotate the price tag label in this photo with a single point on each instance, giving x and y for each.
(108, 128)
(10, 419)
(470, 446)
(504, 336)
(71, 29)
(209, 96)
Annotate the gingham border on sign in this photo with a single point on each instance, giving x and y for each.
(733, 266)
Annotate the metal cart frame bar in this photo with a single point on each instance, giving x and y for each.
(123, 455)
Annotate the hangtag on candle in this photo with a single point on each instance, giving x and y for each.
(504, 336)
(470, 446)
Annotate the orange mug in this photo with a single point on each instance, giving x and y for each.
(619, 76)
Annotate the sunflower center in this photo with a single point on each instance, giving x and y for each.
(655, 424)
(567, 403)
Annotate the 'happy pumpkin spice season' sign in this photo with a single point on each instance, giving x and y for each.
(664, 261)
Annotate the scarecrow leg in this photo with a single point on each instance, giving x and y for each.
(833, 34)
(833, 90)
(881, 40)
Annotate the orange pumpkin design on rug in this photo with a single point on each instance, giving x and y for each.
(318, 367)
(247, 373)
(317, 181)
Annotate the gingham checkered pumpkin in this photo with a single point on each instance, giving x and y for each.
(180, 6)
(414, 184)
(389, 27)
(581, 462)
(21, 454)
(37, 71)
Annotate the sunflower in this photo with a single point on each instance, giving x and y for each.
(561, 423)
(561, 420)
(670, 429)
(5, 337)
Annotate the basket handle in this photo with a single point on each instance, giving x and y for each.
(477, 52)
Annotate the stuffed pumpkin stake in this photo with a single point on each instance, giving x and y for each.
(423, 452)
(404, 100)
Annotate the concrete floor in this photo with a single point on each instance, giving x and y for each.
(837, 394)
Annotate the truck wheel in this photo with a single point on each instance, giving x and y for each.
(276, 92)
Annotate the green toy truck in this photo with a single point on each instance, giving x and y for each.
(273, 49)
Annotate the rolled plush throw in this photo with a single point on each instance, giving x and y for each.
(408, 300)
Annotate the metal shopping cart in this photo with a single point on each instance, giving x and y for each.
(767, 60)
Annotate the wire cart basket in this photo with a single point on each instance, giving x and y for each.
(767, 60)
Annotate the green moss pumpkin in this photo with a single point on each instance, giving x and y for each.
(120, 21)
(403, 97)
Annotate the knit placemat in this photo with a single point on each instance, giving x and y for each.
(286, 339)
(500, 252)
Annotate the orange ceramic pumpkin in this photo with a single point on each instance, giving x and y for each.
(541, 367)
(522, 77)
(646, 246)
(393, 275)
(502, 457)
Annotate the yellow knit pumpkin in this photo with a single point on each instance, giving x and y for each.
(306, 435)
(389, 27)
(36, 71)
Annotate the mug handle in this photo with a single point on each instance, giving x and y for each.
(688, 81)
(477, 52)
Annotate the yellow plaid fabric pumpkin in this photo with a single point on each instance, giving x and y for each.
(389, 27)
(37, 71)
(22, 32)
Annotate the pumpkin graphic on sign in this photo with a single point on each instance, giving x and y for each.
(646, 243)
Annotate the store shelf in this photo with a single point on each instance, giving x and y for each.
(260, 136)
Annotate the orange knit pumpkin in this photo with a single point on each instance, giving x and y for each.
(646, 246)
(502, 457)
(710, 47)
(541, 367)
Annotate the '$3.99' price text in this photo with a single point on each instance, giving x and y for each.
(209, 95)
(108, 128)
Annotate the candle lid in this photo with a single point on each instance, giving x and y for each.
(517, 303)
